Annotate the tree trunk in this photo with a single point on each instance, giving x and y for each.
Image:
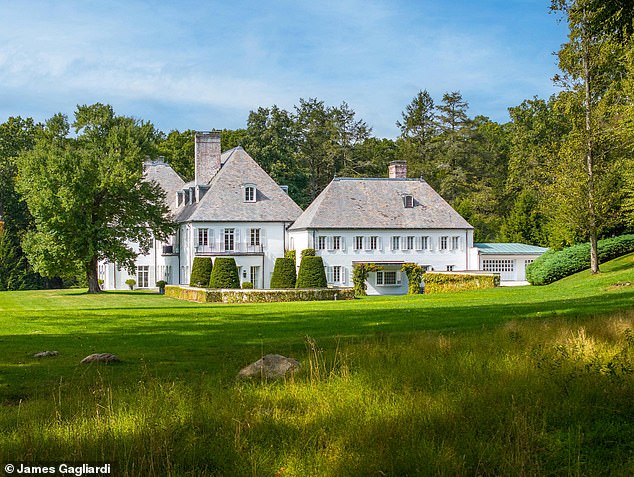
(592, 214)
(92, 276)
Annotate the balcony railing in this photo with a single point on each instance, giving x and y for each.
(221, 248)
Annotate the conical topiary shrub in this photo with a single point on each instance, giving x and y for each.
(284, 273)
(201, 272)
(224, 274)
(311, 273)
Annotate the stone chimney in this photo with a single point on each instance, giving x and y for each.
(206, 156)
(397, 170)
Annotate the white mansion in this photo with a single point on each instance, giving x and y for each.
(234, 208)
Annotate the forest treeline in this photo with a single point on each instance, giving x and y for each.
(559, 172)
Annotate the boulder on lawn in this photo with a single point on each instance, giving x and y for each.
(271, 366)
(45, 354)
(100, 358)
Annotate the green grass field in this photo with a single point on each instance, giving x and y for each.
(507, 381)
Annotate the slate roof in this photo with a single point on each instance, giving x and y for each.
(508, 249)
(162, 173)
(348, 203)
(223, 202)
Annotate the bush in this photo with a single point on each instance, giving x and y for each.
(555, 265)
(311, 273)
(284, 275)
(247, 285)
(130, 282)
(224, 274)
(441, 282)
(308, 252)
(292, 254)
(201, 272)
(414, 277)
(360, 273)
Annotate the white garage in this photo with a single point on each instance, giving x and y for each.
(507, 259)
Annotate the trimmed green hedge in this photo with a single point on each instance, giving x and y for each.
(555, 265)
(224, 274)
(257, 296)
(440, 282)
(201, 272)
(308, 252)
(284, 275)
(311, 273)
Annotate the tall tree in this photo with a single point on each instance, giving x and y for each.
(87, 195)
(585, 173)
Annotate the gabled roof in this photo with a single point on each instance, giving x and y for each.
(224, 200)
(348, 203)
(161, 173)
(508, 249)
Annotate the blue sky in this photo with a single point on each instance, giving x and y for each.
(206, 64)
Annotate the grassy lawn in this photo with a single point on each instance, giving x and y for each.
(508, 381)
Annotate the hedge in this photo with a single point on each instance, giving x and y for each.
(202, 295)
(201, 272)
(555, 265)
(440, 282)
(224, 274)
(311, 273)
(284, 275)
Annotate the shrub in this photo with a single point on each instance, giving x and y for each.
(224, 274)
(284, 275)
(247, 285)
(311, 273)
(201, 272)
(360, 272)
(161, 286)
(450, 282)
(555, 265)
(292, 254)
(414, 277)
(130, 282)
(308, 252)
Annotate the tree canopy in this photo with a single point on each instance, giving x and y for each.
(87, 195)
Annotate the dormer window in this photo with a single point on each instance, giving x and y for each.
(408, 201)
(250, 192)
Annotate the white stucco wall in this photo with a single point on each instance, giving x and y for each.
(433, 256)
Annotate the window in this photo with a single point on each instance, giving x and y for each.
(336, 242)
(528, 261)
(358, 243)
(455, 243)
(254, 237)
(249, 193)
(230, 239)
(408, 201)
(409, 243)
(336, 274)
(423, 243)
(396, 243)
(450, 268)
(443, 243)
(384, 278)
(254, 274)
(143, 276)
(321, 242)
(498, 265)
(374, 242)
(203, 237)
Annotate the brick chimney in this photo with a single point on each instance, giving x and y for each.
(206, 156)
(397, 170)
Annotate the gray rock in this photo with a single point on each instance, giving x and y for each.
(271, 366)
(100, 358)
(45, 354)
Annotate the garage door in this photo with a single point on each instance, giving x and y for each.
(505, 267)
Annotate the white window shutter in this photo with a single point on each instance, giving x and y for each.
(380, 244)
(329, 244)
(236, 240)
(210, 238)
(344, 273)
(263, 237)
(398, 277)
(404, 243)
(343, 243)
(195, 237)
(366, 242)
(329, 274)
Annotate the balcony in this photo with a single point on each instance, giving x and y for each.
(239, 248)
(169, 250)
